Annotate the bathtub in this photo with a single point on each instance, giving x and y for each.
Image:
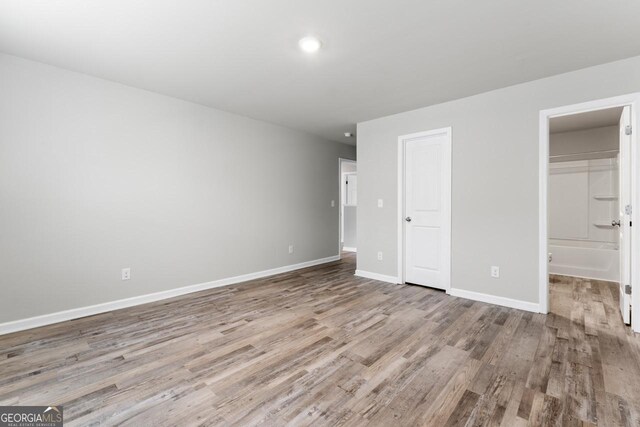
(591, 260)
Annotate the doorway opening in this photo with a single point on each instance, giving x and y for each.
(348, 205)
(587, 194)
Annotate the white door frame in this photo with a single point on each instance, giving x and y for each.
(339, 201)
(543, 169)
(401, 187)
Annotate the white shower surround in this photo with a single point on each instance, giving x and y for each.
(582, 203)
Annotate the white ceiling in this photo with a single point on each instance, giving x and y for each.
(584, 121)
(378, 57)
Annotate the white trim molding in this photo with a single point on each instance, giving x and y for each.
(376, 276)
(76, 313)
(349, 249)
(492, 299)
(633, 100)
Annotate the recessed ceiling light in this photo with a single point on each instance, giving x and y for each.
(309, 44)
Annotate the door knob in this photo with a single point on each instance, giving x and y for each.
(615, 223)
(408, 219)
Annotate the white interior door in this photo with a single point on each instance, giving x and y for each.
(427, 207)
(624, 219)
(352, 189)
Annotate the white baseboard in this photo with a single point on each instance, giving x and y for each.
(492, 299)
(76, 313)
(376, 276)
(349, 249)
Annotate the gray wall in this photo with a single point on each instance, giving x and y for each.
(96, 176)
(584, 141)
(350, 238)
(495, 176)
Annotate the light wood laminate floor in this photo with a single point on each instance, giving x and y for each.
(322, 347)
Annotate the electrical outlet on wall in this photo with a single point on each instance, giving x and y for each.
(379, 256)
(380, 203)
(495, 271)
(126, 273)
(290, 249)
(333, 203)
